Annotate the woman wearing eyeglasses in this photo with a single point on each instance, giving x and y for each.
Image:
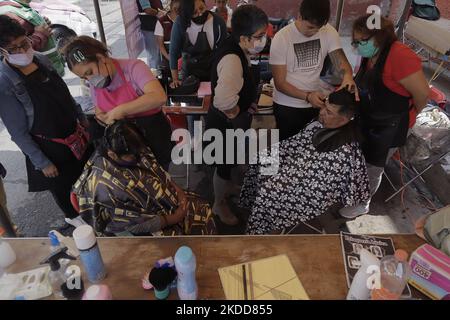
(234, 94)
(41, 117)
(393, 90)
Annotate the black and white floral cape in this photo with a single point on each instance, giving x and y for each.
(305, 185)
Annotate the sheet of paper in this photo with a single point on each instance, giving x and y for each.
(267, 279)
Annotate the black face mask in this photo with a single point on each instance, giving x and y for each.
(201, 19)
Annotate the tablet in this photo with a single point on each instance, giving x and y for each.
(185, 101)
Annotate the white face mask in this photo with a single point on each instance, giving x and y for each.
(258, 46)
(21, 59)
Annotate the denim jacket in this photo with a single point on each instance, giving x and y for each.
(17, 112)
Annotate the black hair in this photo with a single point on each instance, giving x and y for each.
(83, 49)
(384, 38)
(316, 12)
(10, 30)
(348, 106)
(123, 138)
(246, 20)
(186, 11)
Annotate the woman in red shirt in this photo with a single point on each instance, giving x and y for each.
(391, 84)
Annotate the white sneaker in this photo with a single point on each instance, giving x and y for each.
(76, 222)
(355, 211)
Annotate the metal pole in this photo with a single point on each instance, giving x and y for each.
(403, 19)
(339, 12)
(98, 14)
(418, 176)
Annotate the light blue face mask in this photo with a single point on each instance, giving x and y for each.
(368, 49)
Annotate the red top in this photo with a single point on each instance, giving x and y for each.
(270, 31)
(401, 63)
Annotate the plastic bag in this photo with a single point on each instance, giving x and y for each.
(429, 138)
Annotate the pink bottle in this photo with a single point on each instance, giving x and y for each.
(98, 292)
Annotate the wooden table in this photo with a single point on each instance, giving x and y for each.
(317, 259)
(178, 110)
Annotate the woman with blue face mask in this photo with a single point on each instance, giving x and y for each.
(393, 89)
(42, 118)
(234, 93)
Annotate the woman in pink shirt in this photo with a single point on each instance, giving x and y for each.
(123, 88)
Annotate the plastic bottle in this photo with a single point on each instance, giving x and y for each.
(98, 292)
(394, 275)
(55, 245)
(90, 255)
(361, 286)
(185, 264)
(56, 275)
(7, 254)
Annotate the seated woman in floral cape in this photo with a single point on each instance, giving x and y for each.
(127, 193)
(319, 167)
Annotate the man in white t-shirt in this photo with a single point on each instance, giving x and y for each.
(297, 56)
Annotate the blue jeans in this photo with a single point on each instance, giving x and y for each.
(152, 49)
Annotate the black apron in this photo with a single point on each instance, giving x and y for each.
(216, 119)
(384, 117)
(54, 117)
(148, 22)
(197, 58)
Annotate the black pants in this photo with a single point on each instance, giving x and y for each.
(291, 120)
(218, 120)
(158, 133)
(62, 199)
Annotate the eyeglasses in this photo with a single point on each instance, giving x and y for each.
(25, 45)
(361, 42)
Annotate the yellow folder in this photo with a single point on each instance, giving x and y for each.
(272, 278)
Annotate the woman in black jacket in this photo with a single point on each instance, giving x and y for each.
(196, 34)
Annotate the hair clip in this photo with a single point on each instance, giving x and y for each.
(79, 56)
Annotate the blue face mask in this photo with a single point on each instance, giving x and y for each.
(367, 50)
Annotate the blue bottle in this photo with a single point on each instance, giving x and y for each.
(90, 255)
(185, 263)
(55, 245)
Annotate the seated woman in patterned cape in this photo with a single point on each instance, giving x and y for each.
(321, 166)
(127, 193)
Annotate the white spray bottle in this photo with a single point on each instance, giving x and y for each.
(360, 288)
